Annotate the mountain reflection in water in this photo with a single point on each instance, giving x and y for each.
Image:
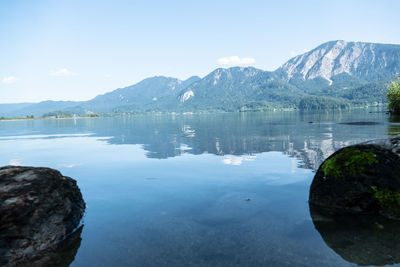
(311, 137)
(231, 204)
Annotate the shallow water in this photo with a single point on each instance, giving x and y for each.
(201, 190)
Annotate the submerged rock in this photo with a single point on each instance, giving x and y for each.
(364, 178)
(360, 123)
(360, 239)
(60, 255)
(39, 208)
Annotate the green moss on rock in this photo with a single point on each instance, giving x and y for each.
(349, 162)
(389, 200)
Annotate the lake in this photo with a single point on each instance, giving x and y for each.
(227, 189)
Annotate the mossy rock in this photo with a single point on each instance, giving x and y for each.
(349, 162)
(363, 178)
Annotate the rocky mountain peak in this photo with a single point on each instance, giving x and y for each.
(363, 60)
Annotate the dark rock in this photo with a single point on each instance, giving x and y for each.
(60, 255)
(363, 178)
(39, 208)
(360, 239)
(360, 123)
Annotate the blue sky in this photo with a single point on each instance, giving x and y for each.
(74, 50)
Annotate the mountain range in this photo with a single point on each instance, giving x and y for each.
(336, 74)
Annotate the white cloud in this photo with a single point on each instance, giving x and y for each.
(62, 72)
(237, 160)
(9, 79)
(235, 60)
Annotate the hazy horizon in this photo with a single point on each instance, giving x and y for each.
(69, 50)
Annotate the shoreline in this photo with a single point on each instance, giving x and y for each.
(383, 109)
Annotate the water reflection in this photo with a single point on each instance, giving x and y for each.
(393, 129)
(194, 209)
(394, 125)
(363, 240)
(307, 136)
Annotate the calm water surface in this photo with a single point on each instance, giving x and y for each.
(201, 190)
